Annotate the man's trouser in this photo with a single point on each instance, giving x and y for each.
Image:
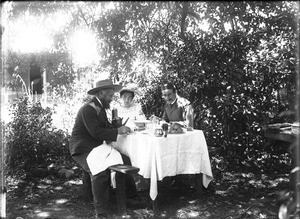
(101, 184)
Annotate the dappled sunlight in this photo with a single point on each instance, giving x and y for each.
(75, 182)
(47, 181)
(234, 197)
(227, 26)
(42, 213)
(204, 26)
(83, 45)
(33, 34)
(190, 213)
(43, 186)
(61, 201)
(257, 183)
(58, 188)
(140, 213)
(277, 181)
(29, 38)
(58, 20)
(192, 201)
(220, 192)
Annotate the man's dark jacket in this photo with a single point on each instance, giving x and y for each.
(91, 129)
(176, 111)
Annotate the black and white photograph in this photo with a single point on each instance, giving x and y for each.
(150, 109)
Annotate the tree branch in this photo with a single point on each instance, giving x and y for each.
(80, 11)
(183, 17)
(193, 14)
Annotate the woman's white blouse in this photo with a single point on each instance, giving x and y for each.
(134, 112)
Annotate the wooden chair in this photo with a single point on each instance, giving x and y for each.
(121, 170)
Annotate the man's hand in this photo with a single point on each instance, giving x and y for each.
(154, 119)
(123, 130)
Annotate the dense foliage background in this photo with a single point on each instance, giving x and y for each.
(235, 61)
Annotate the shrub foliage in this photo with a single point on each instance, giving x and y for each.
(31, 141)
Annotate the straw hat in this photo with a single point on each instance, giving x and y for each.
(104, 84)
(129, 88)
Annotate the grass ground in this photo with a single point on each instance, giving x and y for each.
(231, 195)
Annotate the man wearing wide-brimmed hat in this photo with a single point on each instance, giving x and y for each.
(90, 148)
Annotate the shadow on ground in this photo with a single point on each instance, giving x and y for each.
(234, 195)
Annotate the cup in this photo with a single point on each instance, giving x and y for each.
(165, 128)
(117, 122)
(150, 127)
(114, 113)
(158, 132)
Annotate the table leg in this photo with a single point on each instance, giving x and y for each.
(121, 192)
(155, 206)
(198, 183)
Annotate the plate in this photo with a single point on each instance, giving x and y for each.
(144, 132)
(140, 129)
(141, 121)
(172, 133)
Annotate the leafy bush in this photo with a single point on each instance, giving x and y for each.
(232, 95)
(66, 105)
(152, 102)
(31, 141)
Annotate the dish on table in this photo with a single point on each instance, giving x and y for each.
(140, 129)
(141, 124)
(141, 121)
(176, 132)
(145, 131)
(175, 128)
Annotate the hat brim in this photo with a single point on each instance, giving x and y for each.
(116, 87)
(126, 90)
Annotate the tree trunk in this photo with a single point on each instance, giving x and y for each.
(183, 17)
(297, 146)
(2, 154)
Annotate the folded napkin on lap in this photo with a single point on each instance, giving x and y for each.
(101, 157)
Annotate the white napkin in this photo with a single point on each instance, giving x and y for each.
(101, 157)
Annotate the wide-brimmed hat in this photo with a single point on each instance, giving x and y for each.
(104, 84)
(128, 88)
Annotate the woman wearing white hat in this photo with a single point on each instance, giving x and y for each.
(129, 108)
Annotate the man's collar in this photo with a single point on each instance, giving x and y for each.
(174, 101)
(99, 101)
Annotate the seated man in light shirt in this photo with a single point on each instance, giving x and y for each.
(177, 109)
(128, 108)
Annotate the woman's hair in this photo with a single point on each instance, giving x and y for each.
(169, 86)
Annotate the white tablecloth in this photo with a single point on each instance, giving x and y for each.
(158, 157)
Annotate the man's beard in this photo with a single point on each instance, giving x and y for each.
(105, 103)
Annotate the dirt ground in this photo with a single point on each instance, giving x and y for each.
(230, 195)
